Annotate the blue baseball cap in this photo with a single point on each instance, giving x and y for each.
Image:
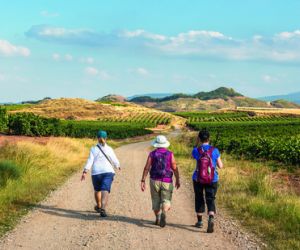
(102, 134)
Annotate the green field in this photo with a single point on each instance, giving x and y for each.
(270, 137)
(34, 125)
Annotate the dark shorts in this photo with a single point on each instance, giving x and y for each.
(102, 182)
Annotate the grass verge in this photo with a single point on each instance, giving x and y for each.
(34, 171)
(265, 205)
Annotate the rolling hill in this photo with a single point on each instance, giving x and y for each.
(81, 109)
(219, 98)
(292, 97)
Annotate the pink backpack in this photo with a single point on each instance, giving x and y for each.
(205, 168)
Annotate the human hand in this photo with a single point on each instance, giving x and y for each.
(83, 176)
(177, 184)
(143, 186)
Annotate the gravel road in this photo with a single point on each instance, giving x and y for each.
(66, 220)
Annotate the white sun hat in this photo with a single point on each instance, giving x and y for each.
(160, 142)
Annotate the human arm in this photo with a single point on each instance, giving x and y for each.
(219, 162)
(114, 159)
(145, 173)
(88, 165)
(176, 172)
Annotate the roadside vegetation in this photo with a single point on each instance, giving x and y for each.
(258, 193)
(29, 171)
(271, 137)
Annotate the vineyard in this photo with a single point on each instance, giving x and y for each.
(80, 118)
(34, 125)
(271, 137)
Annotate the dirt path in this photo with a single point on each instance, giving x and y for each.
(66, 219)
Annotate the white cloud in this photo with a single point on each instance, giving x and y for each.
(88, 60)
(103, 75)
(142, 33)
(91, 71)
(8, 49)
(203, 44)
(45, 13)
(142, 71)
(68, 57)
(2, 77)
(269, 79)
(56, 56)
(100, 74)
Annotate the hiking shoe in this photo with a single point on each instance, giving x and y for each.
(210, 226)
(157, 222)
(163, 222)
(97, 209)
(103, 213)
(199, 224)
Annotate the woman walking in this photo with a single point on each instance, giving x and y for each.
(161, 164)
(102, 160)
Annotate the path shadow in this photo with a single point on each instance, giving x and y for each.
(92, 215)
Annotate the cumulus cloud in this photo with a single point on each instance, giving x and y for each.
(8, 49)
(101, 74)
(91, 71)
(68, 57)
(269, 79)
(142, 71)
(281, 47)
(88, 60)
(83, 37)
(58, 57)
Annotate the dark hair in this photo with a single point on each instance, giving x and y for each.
(204, 135)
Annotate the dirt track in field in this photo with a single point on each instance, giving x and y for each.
(66, 220)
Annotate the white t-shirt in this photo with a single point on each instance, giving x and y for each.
(98, 162)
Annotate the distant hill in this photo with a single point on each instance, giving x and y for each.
(212, 100)
(284, 104)
(292, 97)
(81, 109)
(113, 98)
(152, 95)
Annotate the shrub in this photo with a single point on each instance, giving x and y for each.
(3, 119)
(8, 170)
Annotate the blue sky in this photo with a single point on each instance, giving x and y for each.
(92, 48)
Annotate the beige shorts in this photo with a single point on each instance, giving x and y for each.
(161, 193)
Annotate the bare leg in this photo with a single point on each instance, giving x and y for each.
(166, 207)
(157, 216)
(104, 199)
(98, 199)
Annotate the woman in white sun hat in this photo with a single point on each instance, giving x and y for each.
(161, 164)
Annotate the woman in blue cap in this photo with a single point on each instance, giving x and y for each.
(102, 160)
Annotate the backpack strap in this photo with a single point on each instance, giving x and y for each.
(105, 155)
(210, 150)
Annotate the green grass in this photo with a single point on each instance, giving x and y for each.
(13, 107)
(267, 206)
(34, 170)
